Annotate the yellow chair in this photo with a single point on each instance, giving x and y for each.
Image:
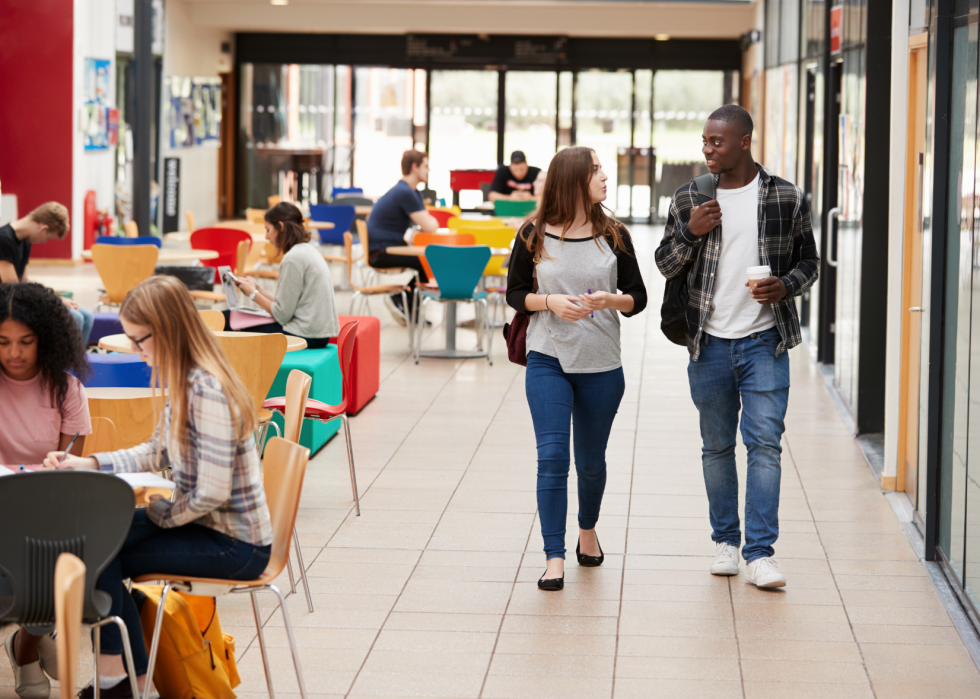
(189, 215)
(466, 225)
(121, 268)
(215, 320)
(103, 437)
(131, 229)
(502, 237)
(69, 600)
(284, 469)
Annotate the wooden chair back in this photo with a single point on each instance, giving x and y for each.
(255, 215)
(122, 267)
(190, 221)
(129, 409)
(362, 235)
(69, 599)
(131, 229)
(241, 256)
(256, 358)
(297, 393)
(273, 199)
(284, 467)
(215, 320)
(103, 437)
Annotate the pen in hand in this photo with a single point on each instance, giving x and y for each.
(591, 313)
(68, 448)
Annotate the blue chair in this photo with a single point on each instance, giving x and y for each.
(458, 270)
(142, 240)
(118, 371)
(341, 191)
(340, 215)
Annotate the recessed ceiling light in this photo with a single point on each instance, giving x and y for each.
(279, 2)
(656, 37)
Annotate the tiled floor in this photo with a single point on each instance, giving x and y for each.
(431, 591)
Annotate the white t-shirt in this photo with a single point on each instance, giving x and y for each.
(735, 313)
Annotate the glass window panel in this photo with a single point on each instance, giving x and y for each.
(919, 14)
(814, 19)
(565, 101)
(602, 122)
(383, 126)
(642, 141)
(789, 31)
(772, 33)
(531, 99)
(463, 132)
(343, 127)
(683, 99)
(775, 122)
(420, 118)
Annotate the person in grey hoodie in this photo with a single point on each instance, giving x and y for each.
(303, 304)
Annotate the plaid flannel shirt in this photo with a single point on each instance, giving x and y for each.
(219, 482)
(785, 244)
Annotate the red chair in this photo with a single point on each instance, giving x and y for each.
(364, 378)
(222, 240)
(315, 410)
(442, 216)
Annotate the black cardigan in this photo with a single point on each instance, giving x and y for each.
(520, 275)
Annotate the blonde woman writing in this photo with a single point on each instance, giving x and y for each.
(218, 525)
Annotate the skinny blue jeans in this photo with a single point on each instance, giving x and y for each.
(557, 399)
(729, 375)
(192, 549)
(85, 321)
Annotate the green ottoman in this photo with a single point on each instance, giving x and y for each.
(327, 386)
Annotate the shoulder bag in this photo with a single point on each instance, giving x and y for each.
(673, 311)
(515, 332)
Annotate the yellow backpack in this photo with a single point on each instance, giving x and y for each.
(195, 659)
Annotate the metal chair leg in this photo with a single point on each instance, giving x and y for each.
(408, 318)
(353, 299)
(155, 644)
(292, 642)
(488, 330)
(97, 647)
(302, 570)
(350, 461)
(127, 652)
(292, 580)
(261, 635)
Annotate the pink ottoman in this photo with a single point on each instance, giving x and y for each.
(365, 369)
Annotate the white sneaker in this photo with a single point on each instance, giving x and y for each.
(29, 680)
(48, 654)
(764, 572)
(726, 560)
(396, 312)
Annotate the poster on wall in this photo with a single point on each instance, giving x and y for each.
(193, 111)
(95, 111)
(171, 195)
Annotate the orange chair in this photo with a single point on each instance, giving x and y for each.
(222, 240)
(315, 410)
(423, 239)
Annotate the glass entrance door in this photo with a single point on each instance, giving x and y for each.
(603, 105)
(532, 111)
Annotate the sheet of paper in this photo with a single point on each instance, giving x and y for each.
(4, 471)
(146, 480)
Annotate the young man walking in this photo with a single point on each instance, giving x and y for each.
(738, 336)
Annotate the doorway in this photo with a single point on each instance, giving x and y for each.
(908, 441)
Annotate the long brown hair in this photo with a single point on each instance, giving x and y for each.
(181, 342)
(566, 195)
(287, 219)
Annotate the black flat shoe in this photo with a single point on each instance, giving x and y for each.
(551, 584)
(122, 690)
(589, 561)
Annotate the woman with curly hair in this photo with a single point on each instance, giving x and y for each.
(42, 406)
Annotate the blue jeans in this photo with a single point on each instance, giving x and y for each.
(85, 321)
(746, 374)
(556, 399)
(192, 549)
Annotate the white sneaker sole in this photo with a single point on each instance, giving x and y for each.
(768, 585)
(724, 569)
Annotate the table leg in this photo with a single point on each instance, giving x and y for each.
(450, 351)
(451, 326)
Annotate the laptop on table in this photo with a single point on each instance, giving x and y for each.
(232, 295)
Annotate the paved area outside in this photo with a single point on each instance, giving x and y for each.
(431, 591)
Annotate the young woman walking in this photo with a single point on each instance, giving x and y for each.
(578, 256)
(42, 407)
(218, 524)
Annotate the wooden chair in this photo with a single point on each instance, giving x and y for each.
(273, 199)
(69, 598)
(121, 268)
(255, 215)
(131, 229)
(215, 320)
(256, 358)
(130, 410)
(103, 437)
(284, 469)
(362, 233)
(189, 215)
(241, 256)
(365, 292)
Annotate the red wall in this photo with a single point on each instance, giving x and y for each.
(36, 108)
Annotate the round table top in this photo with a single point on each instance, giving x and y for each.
(119, 393)
(167, 255)
(362, 209)
(321, 225)
(419, 250)
(121, 343)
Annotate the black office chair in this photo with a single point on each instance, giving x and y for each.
(43, 515)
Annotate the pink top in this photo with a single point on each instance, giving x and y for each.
(32, 423)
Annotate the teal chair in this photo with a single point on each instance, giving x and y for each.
(323, 365)
(458, 270)
(513, 209)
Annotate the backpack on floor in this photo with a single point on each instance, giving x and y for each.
(195, 659)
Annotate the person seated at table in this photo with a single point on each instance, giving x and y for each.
(218, 524)
(514, 182)
(393, 214)
(303, 304)
(42, 406)
(45, 223)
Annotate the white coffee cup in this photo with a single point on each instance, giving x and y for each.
(756, 275)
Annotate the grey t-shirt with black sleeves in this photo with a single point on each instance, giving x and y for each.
(572, 267)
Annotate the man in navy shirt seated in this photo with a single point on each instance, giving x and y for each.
(393, 214)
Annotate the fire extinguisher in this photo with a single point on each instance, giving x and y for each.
(105, 222)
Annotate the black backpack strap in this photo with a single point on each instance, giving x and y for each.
(705, 184)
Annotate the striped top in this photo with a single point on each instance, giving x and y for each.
(219, 483)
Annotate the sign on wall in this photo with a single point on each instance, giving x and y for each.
(836, 25)
(95, 115)
(171, 195)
